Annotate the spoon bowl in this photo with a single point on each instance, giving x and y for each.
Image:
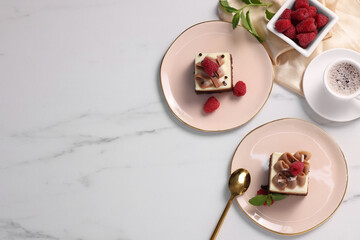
(239, 182)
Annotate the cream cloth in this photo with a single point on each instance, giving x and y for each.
(289, 65)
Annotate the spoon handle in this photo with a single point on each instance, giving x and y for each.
(221, 220)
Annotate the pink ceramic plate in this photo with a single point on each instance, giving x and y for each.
(327, 180)
(251, 64)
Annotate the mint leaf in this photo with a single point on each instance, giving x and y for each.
(244, 21)
(226, 6)
(278, 196)
(252, 29)
(231, 9)
(268, 200)
(246, 1)
(259, 38)
(235, 20)
(224, 3)
(255, 1)
(269, 14)
(258, 200)
(249, 21)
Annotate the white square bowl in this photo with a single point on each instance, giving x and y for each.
(333, 18)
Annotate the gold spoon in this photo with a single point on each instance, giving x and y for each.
(238, 184)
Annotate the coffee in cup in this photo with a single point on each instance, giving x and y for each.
(342, 79)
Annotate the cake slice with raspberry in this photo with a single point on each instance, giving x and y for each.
(289, 173)
(213, 72)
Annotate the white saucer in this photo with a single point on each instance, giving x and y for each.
(317, 96)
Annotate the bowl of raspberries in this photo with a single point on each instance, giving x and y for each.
(302, 24)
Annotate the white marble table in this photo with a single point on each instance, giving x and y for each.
(90, 150)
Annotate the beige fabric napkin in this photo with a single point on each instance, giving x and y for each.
(289, 65)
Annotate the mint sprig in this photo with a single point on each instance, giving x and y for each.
(245, 17)
(259, 200)
(277, 196)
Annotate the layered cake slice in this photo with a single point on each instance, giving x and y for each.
(289, 173)
(213, 72)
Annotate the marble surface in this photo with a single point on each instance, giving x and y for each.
(90, 150)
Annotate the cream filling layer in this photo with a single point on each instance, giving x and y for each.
(297, 189)
(226, 68)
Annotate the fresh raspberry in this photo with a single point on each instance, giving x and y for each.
(286, 14)
(239, 89)
(321, 20)
(300, 14)
(301, 4)
(211, 105)
(312, 11)
(282, 24)
(209, 66)
(295, 22)
(305, 38)
(272, 201)
(290, 32)
(296, 168)
(307, 25)
(262, 191)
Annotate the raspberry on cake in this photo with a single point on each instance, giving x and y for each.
(289, 173)
(213, 72)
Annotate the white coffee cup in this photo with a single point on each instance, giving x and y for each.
(343, 84)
